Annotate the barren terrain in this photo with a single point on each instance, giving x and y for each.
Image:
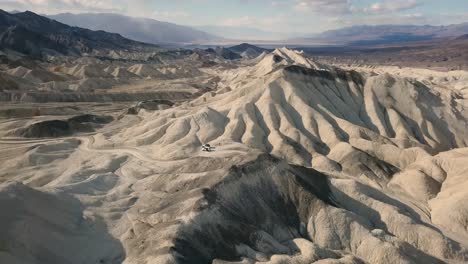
(311, 163)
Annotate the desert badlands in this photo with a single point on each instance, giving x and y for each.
(309, 161)
(312, 164)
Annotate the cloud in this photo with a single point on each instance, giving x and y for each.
(51, 6)
(169, 16)
(343, 7)
(391, 6)
(137, 8)
(324, 6)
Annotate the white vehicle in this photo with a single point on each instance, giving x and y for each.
(207, 148)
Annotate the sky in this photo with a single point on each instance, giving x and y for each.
(285, 16)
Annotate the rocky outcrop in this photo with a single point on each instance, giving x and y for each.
(61, 128)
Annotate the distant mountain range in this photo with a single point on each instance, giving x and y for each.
(32, 34)
(29, 33)
(140, 29)
(355, 35)
(442, 53)
(385, 34)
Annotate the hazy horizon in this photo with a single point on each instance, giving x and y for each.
(264, 19)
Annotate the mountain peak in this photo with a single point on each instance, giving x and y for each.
(295, 57)
(284, 57)
(247, 50)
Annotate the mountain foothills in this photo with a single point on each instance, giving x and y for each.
(31, 34)
(105, 159)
